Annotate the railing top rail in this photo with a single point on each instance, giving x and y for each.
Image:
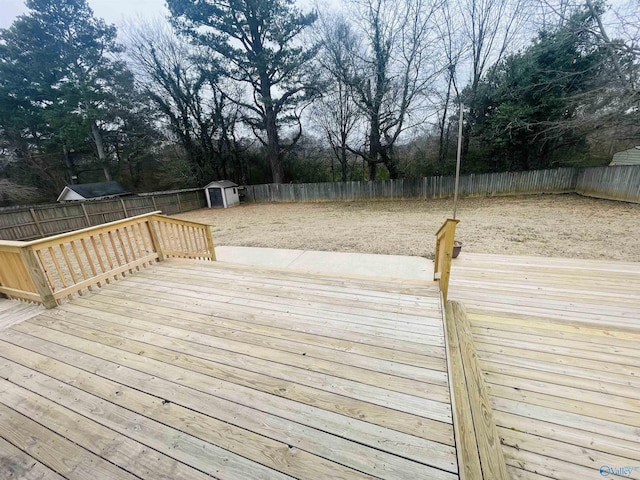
(441, 229)
(88, 230)
(180, 221)
(12, 244)
(103, 227)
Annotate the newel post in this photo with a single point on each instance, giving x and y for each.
(444, 253)
(212, 249)
(155, 238)
(38, 277)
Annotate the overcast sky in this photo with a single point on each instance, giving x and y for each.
(113, 11)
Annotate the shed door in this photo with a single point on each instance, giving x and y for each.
(215, 195)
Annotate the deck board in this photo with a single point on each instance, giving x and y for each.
(557, 340)
(14, 311)
(294, 377)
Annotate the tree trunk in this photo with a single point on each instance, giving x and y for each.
(97, 138)
(274, 156)
(393, 169)
(344, 163)
(373, 168)
(443, 147)
(273, 147)
(375, 148)
(73, 171)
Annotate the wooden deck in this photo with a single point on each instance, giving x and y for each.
(558, 341)
(14, 311)
(190, 370)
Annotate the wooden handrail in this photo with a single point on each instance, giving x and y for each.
(445, 237)
(41, 242)
(49, 269)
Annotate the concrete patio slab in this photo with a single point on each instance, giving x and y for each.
(389, 266)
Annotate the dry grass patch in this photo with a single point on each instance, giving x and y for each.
(542, 225)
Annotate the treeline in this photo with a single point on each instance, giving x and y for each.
(259, 91)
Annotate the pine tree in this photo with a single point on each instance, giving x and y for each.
(258, 43)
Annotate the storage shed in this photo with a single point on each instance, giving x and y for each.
(92, 191)
(627, 157)
(222, 194)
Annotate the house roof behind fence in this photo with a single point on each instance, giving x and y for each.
(99, 190)
(627, 157)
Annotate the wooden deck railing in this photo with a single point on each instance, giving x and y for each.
(444, 253)
(48, 270)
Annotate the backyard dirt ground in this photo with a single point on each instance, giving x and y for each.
(540, 225)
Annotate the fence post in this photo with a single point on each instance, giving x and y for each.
(124, 208)
(179, 204)
(35, 220)
(86, 215)
(38, 277)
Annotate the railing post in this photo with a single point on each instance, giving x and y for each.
(155, 239)
(444, 254)
(38, 277)
(212, 249)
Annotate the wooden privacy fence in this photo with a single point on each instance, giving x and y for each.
(48, 270)
(27, 223)
(561, 180)
(621, 182)
(445, 237)
(616, 183)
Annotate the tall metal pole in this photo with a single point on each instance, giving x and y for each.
(455, 196)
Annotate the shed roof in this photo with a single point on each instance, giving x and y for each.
(222, 184)
(627, 157)
(98, 190)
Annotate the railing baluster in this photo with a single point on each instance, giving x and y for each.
(141, 236)
(80, 261)
(70, 268)
(196, 241)
(136, 253)
(97, 251)
(176, 235)
(116, 254)
(165, 237)
(123, 248)
(56, 264)
(106, 251)
(187, 233)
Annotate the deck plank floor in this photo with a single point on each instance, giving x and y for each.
(557, 340)
(189, 370)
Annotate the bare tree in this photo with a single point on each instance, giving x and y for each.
(336, 112)
(189, 95)
(492, 28)
(613, 103)
(14, 194)
(451, 34)
(389, 67)
(258, 43)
